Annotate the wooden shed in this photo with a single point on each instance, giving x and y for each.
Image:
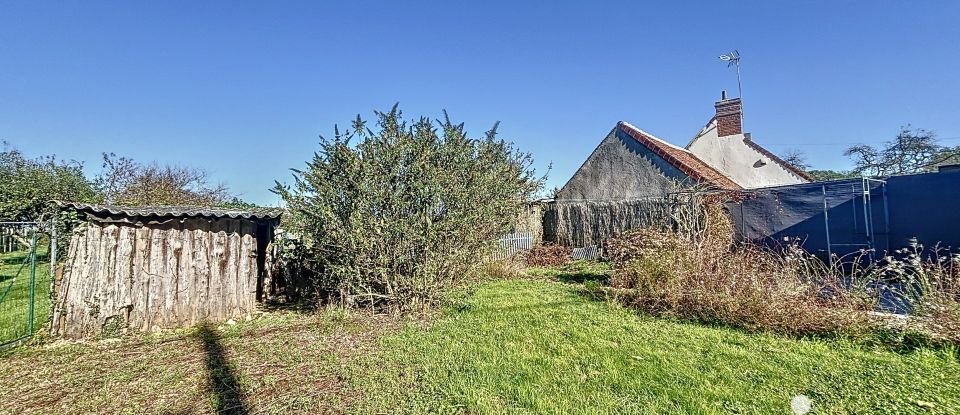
(143, 269)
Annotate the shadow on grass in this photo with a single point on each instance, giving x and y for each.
(302, 307)
(583, 277)
(578, 272)
(222, 382)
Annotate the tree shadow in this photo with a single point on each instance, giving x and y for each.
(222, 381)
(583, 277)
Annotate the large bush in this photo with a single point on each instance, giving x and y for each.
(395, 214)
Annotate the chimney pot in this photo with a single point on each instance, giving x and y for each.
(723, 95)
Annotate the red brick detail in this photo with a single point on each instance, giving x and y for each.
(683, 160)
(729, 117)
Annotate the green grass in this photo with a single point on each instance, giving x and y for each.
(542, 347)
(575, 272)
(518, 346)
(15, 282)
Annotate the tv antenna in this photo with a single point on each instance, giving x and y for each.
(733, 58)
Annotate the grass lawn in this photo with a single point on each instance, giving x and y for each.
(517, 346)
(15, 294)
(541, 347)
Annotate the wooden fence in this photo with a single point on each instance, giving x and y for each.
(512, 244)
(15, 236)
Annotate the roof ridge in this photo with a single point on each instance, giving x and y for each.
(651, 136)
(776, 159)
(692, 166)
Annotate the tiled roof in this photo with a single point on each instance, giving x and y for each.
(173, 211)
(680, 158)
(791, 168)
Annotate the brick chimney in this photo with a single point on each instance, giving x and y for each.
(729, 116)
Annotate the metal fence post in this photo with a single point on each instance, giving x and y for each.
(33, 282)
(826, 224)
(53, 250)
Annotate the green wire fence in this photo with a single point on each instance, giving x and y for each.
(24, 281)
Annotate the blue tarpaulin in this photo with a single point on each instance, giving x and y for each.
(842, 217)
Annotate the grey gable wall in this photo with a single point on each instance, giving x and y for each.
(621, 168)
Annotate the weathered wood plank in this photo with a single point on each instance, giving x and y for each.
(89, 309)
(185, 269)
(67, 286)
(140, 284)
(232, 279)
(248, 268)
(105, 296)
(217, 264)
(157, 276)
(171, 274)
(155, 271)
(124, 271)
(201, 274)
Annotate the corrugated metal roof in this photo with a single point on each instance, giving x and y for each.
(173, 211)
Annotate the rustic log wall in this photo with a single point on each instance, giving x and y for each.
(591, 223)
(121, 276)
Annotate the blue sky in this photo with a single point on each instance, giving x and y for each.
(242, 89)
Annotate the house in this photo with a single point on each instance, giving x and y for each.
(141, 269)
(631, 163)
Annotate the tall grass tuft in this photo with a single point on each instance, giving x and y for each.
(929, 282)
(696, 272)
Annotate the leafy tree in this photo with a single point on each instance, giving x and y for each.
(124, 181)
(237, 203)
(911, 151)
(823, 175)
(27, 186)
(397, 214)
(799, 160)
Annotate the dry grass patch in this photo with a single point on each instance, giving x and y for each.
(547, 255)
(283, 362)
(698, 274)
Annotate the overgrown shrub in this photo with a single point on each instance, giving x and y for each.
(697, 274)
(396, 214)
(509, 268)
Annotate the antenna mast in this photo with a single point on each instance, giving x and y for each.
(733, 59)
